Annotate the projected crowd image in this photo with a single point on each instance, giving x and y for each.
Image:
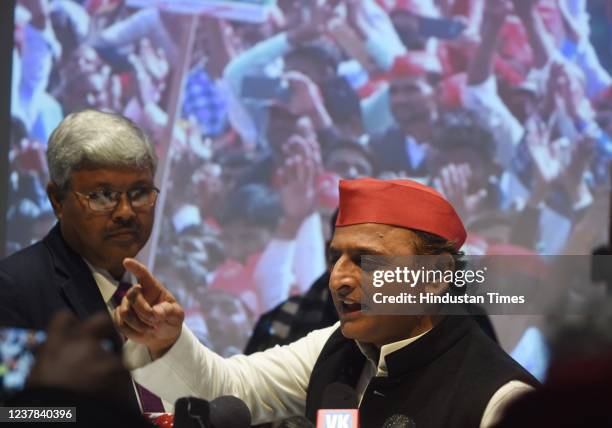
(258, 108)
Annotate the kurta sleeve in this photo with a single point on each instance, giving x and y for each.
(272, 383)
(500, 400)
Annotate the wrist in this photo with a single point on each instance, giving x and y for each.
(159, 349)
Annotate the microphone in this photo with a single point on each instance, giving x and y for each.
(295, 422)
(191, 412)
(229, 412)
(399, 421)
(339, 407)
(222, 412)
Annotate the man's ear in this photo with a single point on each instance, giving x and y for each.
(443, 262)
(56, 197)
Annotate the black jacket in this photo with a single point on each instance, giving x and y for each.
(44, 278)
(444, 379)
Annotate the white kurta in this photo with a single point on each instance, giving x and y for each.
(272, 383)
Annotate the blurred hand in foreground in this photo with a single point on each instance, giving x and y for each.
(83, 358)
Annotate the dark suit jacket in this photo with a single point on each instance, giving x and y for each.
(44, 278)
(389, 152)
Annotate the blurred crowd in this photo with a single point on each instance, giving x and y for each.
(504, 106)
(16, 357)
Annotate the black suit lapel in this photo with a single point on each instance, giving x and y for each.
(82, 294)
(78, 287)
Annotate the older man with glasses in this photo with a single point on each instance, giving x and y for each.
(101, 187)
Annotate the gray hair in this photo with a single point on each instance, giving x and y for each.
(91, 138)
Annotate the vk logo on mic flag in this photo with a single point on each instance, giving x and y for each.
(337, 418)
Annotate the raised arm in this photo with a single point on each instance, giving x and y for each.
(481, 66)
(539, 39)
(273, 383)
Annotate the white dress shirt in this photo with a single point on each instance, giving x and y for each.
(107, 286)
(272, 383)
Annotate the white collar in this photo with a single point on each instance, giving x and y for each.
(372, 353)
(105, 281)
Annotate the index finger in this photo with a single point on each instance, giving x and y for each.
(151, 287)
(139, 304)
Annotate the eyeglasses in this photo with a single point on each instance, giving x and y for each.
(140, 198)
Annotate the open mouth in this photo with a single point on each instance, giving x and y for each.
(350, 307)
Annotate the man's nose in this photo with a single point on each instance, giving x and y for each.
(123, 210)
(344, 277)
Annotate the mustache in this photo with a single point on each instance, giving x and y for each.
(128, 227)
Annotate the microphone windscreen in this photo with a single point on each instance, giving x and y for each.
(191, 412)
(199, 409)
(339, 396)
(229, 412)
(295, 422)
(399, 421)
(181, 413)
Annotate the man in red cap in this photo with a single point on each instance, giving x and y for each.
(439, 371)
(412, 104)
